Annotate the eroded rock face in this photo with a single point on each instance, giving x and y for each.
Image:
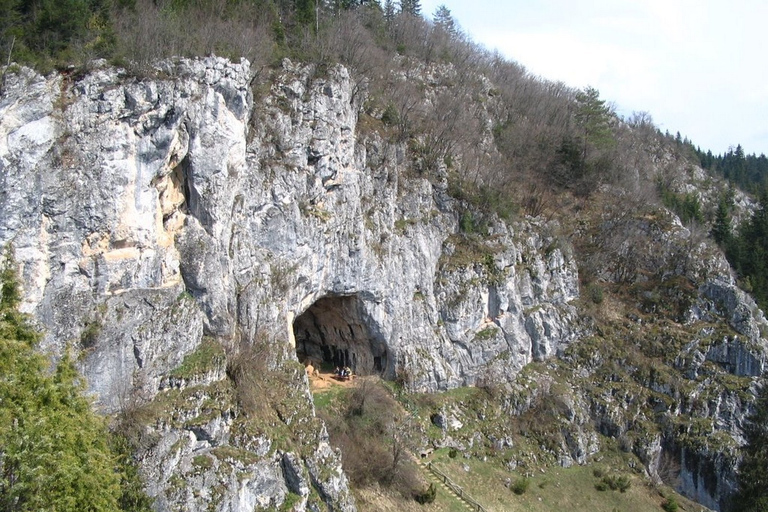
(150, 215)
(146, 214)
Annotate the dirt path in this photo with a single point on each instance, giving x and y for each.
(322, 381)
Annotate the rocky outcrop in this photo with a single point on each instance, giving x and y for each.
(176, 228)
(150, 214)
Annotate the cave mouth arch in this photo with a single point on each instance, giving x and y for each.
(337, 331)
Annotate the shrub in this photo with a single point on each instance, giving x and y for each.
(615, 483)
(622, 484)
(595, 293)
(453, 453)
(248, 368)
(370, 398)
(391, 116)
(370, 432)
(467, 222)
(427, 496)
(90, 334)
(521, 485)
(670, 505)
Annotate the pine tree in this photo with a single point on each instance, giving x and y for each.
(581, 152)
(389, 10)
(305, 12)
(412, 7)
(10, 21)
(444, 19)
(721, 230)
(753, 255)
(593, 119)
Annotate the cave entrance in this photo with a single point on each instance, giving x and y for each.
(336, 331)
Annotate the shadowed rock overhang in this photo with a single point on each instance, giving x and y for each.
(335, 331)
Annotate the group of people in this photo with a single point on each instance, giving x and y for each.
(342, 372)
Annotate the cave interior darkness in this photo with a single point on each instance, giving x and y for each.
(335, 331)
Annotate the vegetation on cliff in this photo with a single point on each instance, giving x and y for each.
(753, 471)
(747, 248)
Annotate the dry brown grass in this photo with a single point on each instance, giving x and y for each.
(371, 430)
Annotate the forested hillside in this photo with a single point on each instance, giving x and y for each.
(555, 271)
(543, 128)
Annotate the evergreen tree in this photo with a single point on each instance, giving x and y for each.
(583, 152)
(10, 25)
(389, 10)
(570, 155)
(412, 7)
(753, 470)
(737, 164)
(748, 172)
(444, 19)
(593, 118)
(41, 30)
(689, 209)
(748, 253)
(305, 12)
(721, 229)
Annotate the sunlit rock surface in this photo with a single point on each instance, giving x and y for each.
(149, 214)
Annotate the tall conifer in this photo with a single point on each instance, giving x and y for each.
(412, 7)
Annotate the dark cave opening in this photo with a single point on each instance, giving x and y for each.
(336, 331)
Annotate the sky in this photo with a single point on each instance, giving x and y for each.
(697, 67)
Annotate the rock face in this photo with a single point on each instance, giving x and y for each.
(180, 230)
(149, 215)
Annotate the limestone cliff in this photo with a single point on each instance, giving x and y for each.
(206, 213)
(150, 214)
